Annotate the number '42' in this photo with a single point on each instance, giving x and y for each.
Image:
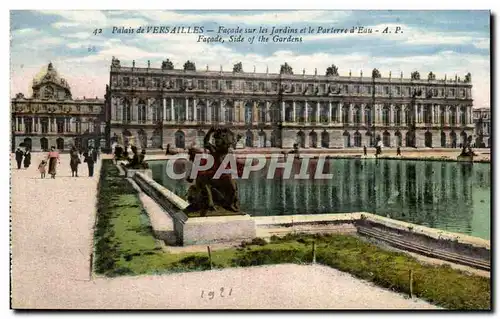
(97, 31)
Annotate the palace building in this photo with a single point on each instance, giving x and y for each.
(50, 117)
(159, 106)
(482, 127)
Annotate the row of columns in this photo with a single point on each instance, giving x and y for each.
(240, 114)
(69, 125)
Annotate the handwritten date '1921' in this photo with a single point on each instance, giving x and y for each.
(211, 294)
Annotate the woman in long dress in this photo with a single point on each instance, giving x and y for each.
(75, 160)
(27, 158)
(53, 159)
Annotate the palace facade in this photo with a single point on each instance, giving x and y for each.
(159, 106)
(50, 117)
(482, 127)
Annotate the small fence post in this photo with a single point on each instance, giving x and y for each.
(411, 282)
(209, 257)
(314, 252)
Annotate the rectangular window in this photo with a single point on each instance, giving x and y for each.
(229, 85)
(369, 89)
(215, 84)
(463, 92)
(442, 92)
(358, 89)
(398, 90)
(201, 84)
(452, 92)
(261, 86)
(126, 81)
(60, 126)
(346, 88)
(142, 82)
(275, 86)
(386, 90)
(178, 83)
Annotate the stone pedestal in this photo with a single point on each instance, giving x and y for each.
(205, 230)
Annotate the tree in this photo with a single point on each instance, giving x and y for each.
(332, 70)
(189, 66)
(167, 65)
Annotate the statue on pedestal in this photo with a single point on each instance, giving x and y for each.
(208, 193)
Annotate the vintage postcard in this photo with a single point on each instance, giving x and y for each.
(250, 160)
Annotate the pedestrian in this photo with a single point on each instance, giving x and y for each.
(42, 168)
(74, 161)
(398, 151)
(90, 159)
(53, 159)
(364, 150)
(19, 157)
(27, 158)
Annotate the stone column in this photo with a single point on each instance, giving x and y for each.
(351, 113)
(339, 112)
(255, 111)
(135, 110)
(283, 111)
(195, 111)
(164, 109)
(329, 112)
(187, 109)
(318, 113)
(391, 115)
(172, 110)
(73, 125)
(403, 116)
(306, 113)
(417, 118)
(268, 113)
(17, 124)
(362, 110)
(39, 127)
(294, 110)
(446, 119)
(433, 110)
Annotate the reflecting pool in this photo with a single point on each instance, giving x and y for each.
(445, 195)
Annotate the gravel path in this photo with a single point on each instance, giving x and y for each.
(51, 237)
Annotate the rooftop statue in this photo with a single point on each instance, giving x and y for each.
(167, 65)
(189, 66)
(286, 69)
(238, 68)
(332, 70)
(415, 75)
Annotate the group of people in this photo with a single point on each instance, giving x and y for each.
(20, 154)
(53, 159)
(123, 154)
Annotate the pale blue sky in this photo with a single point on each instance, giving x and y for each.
(444, 42)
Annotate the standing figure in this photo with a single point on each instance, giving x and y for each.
(364, 150)
(27, 158)
(398, 151)
(19, 157)
(74, 161)
(42, 168)
(53, 159)
(90, 159)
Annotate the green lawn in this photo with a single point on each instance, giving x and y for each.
(124, 245)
